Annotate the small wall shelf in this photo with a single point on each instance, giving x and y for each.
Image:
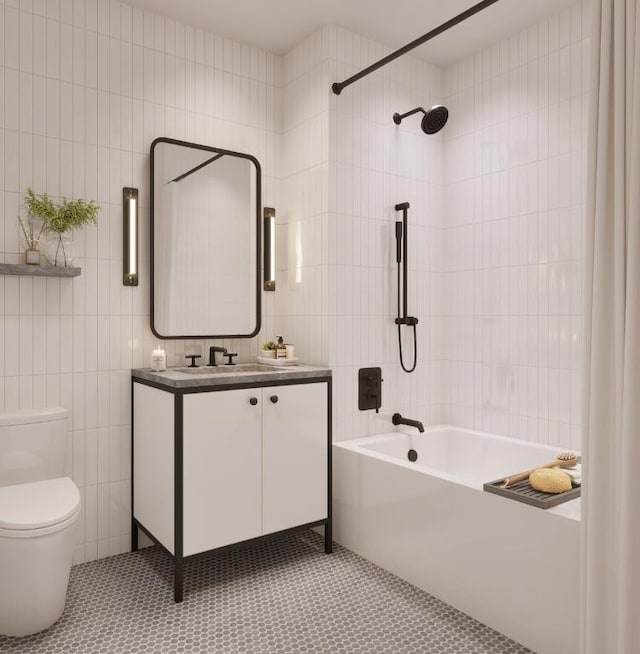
(38, 271)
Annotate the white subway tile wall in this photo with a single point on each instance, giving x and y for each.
(345, 166)
(302, 246)
(495, 220)
(85, 87)
(515, 163)
(374, 165)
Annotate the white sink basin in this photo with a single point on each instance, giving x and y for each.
(220, 370)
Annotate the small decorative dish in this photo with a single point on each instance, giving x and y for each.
(278, 362)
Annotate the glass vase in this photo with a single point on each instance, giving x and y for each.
(58, 251)
(32, 257)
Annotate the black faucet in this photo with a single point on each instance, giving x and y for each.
(397, 419)
(212, 354)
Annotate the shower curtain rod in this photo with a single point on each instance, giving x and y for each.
(337, 87)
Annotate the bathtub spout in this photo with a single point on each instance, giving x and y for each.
(397, 419)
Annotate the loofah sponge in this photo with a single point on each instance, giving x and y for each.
(549, 480)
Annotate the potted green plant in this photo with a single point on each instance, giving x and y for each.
(60, 219)
(269, 350)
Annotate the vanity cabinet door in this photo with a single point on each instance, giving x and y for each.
(222, 468)
(294, 455)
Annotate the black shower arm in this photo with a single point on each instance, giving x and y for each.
(398, 118)
(337, 87)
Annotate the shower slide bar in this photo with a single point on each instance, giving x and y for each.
(337, 87)
(402, 242)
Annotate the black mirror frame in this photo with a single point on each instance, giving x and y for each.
(251, 158)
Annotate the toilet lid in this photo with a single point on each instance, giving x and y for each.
(38, 504)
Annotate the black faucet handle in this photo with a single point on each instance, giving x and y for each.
(230, 356)
(193, 358)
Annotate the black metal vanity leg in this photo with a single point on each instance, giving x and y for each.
(328, 542)
(328, 531)
(178, 534)
(177, 580)
(134, 536)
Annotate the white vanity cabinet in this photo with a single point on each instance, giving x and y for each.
(253, 468)
(216, 466)
(222, 460)
(294, 456)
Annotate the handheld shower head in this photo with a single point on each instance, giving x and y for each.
(432, 121)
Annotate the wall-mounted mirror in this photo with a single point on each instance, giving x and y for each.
(205, 241)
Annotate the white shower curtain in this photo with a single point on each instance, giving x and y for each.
(611, 407)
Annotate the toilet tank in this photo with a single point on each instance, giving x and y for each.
(32, 445)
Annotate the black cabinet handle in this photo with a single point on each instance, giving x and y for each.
(253, 401)
(274, 399)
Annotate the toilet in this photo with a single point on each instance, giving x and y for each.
(39, 510)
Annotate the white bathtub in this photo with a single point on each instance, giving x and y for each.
(512, 566)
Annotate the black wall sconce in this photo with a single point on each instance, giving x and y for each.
(130, 236)
(269, 249)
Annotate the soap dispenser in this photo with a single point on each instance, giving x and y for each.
(281, 349)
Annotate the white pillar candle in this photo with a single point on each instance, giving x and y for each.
(158, 359)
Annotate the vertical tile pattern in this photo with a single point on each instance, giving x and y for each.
(302, 246)
(86, 86)
(495, 220)
(374, 165)
(515, 159)
(345, 166)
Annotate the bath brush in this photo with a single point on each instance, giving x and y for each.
(563, 460)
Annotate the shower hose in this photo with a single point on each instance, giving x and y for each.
(415, 335)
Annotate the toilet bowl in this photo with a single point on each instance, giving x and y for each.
(37, 534)
(39, 510)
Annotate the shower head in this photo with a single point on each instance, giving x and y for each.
(432, 121)
(435, 119)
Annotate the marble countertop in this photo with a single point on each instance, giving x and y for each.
(224, 376)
